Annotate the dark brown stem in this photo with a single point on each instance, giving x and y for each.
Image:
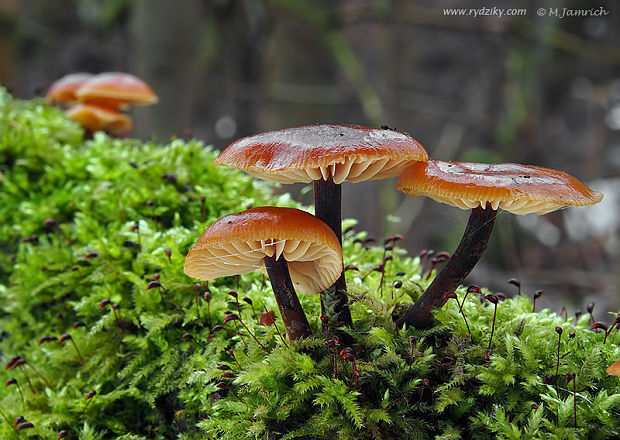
(537, 295)
(327, 203)
(77, 350)
(23, 370)
(280, 334)
(19, 388)
(176, 303)
(197, 287)
(293, 315)
(456, 298)
(239, 333)
(7, 420)
(494, 300)
(249, 301)
(575, 400)
(38, 373)
(557, 366)
(223, 384)
(463, 260)
(252, 334)
(232, 353)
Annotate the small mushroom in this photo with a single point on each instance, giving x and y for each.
(94, 118)
(327, 155)
(116, 90)
(483, 188)
(63, 90)
(298, 251)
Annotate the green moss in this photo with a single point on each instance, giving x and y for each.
(153, 381)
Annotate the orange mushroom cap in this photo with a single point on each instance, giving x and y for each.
(116, 89)
(94, 118)
(314, 152)
(520, 189)
(237, 243)
(614, 369)
(63, 90)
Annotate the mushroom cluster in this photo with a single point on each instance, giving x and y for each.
(97, 101)
(326, 155)
(329, 154)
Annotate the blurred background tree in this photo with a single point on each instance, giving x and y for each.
(532, 88)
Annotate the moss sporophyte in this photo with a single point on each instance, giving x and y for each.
(157, 375)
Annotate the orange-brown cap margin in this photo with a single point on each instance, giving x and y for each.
(237, 243)
(64, 89)
(312, 152)
(116, 89)
(95, 118)
(614, 369)
(520, 189)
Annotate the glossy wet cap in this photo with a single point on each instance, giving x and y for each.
(237, 243)
(314, 152)
(520, 189)
(63, 90)
(94, 118)
(116, 89)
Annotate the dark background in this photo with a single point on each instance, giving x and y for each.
(535, 89)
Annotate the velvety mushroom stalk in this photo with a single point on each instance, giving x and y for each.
(293, 315)
(327, 207)
(467, 254)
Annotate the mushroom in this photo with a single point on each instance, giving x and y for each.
(614, 369)
(116, 90)
(63, 90)
(327, 155)
(298, 251)
(94, 118)
(483, 188)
